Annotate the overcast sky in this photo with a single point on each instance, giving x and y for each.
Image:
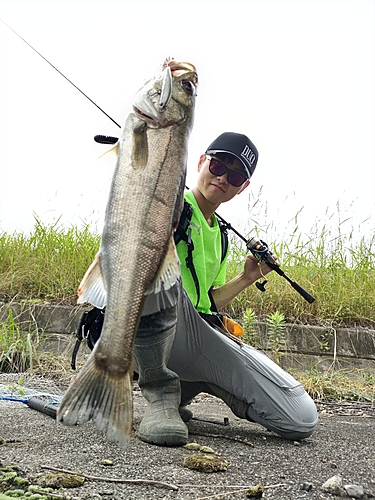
(296, 76)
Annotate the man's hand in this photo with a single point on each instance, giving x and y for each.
(254, 270)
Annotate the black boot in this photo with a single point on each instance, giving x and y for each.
(161, 424)
(188, 392)
(191, 389)
(237, 406)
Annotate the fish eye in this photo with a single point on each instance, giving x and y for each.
(188, 86)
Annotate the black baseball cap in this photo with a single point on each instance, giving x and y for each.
(238, 145)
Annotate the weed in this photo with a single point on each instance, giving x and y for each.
(16, 388)
(336, 266)
(337, 269)
(276, 334)
(249, 324)
(48, 263)
(18, 349)
(354, 385)
(324, 341)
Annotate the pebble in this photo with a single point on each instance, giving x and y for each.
(107, 462)
(333, 485)
(354, 490)
(306, 486)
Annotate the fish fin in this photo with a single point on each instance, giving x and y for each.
(168, 273)
(92, 288)
(114, 149)
(102, 396)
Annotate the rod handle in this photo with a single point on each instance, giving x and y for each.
(42, 406)
(306, 295)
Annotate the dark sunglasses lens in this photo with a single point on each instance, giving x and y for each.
(217, 168)
(235, 178)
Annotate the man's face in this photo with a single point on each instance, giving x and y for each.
(217, 188)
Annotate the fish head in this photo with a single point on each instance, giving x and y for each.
(169, 97)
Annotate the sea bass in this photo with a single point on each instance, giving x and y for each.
(137, 254)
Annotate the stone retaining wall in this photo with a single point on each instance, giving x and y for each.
(306, 346)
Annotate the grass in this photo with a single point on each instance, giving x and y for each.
(18, 350)
(48, 263)
(353, 385)
(339, 270)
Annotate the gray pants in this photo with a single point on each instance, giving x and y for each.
(202, 353)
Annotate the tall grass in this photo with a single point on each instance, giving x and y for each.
(18, 349)
(336, 266)
(339, 271)
(47, 264)
(343, 284)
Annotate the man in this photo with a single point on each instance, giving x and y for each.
(179, 354)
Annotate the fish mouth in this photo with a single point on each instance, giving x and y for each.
(146, 112)
(153, 98)
(150, 103)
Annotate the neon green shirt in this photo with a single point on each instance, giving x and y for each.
(206, 257)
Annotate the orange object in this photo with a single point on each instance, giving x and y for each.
(232, 327)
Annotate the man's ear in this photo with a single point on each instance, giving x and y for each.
(244, 186)
(201, 160)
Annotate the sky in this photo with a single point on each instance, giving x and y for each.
(296, 76)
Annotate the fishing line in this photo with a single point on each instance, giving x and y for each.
(43, 402)
(62, 74)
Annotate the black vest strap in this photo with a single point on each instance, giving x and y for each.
(183, 232)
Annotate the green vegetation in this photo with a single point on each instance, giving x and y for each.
(340, 276)
(340, 385)
(17, 348)
(276, 335)
(49, 263)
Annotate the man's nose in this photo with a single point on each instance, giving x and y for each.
(223, 177)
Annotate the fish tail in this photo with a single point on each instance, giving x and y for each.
(102, 397)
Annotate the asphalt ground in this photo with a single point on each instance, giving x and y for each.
(343, 445)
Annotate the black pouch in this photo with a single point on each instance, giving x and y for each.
(212, 319)
(89, 330)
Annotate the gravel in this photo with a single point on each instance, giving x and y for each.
(343, 445)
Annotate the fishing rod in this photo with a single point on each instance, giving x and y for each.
(45, 403)
(62, 74)
(258, 248)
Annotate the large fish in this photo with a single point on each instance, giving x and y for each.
(137, 254)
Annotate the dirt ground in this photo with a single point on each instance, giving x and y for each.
(343, 445)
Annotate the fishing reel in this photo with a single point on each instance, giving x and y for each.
(261, 252)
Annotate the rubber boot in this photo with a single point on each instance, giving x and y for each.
(188, 392)
(161, 423)
(237, 406)
(191, 389)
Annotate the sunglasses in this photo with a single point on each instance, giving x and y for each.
(217, 168)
